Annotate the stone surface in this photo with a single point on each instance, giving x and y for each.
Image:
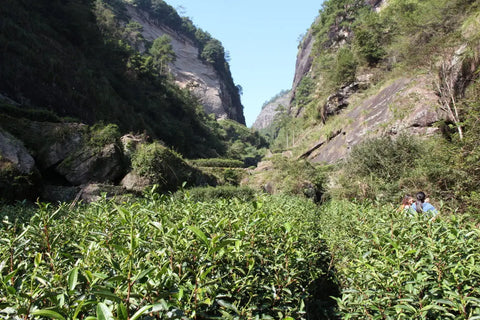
(406, 105)
(13, 151)
(191, 72)
(18, 174)
(267, 115)
(94, 192)
(93, 165)
(135, 182)
(56, 141)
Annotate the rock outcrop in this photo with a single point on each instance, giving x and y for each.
(406, 105)
(267, 115)
(63, 162)
(18, 173)
(191, 72)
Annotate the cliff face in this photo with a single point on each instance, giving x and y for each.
(191, 72)
(304, 60)
(400, 105)
(407, 105)
(267, 115)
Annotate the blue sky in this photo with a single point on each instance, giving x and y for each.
(261, 37)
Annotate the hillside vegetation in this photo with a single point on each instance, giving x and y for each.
(78, 61)
(330, 243)
(357, 47)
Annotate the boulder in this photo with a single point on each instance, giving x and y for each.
(18, 173)
(58, 141)
(339, 100)
(13, 151)
(135, 182)
(95, 191)
(91, 164)
(130, 142)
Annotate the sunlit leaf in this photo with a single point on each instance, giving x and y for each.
(200, 235)
(103, 312)
(48, 313)
(140, 312)
(72, 279)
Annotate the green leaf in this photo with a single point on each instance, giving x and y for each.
(72, 279)
(140, 312)
(103, 312)
(48, 313)
(106, 294)
(157, 225)
(78, 309)
(200, 234)
(38, 259)
(143, 274)
(122, 313)
(227, 305)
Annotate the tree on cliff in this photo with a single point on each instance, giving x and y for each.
(162, 53)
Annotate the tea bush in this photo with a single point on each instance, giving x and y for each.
(218, 162)
(397, 265)
(162, 257)
(220, 192)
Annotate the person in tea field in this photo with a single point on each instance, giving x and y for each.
(421, 205)
(406, 202)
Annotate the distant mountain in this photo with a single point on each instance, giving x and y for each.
(269, 110)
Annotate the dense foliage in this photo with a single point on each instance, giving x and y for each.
(166, 168)
(406, 36)
(78, 59)
(402, 265)
(258, 258)
(244, 144)
(162, 258)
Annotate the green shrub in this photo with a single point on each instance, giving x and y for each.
(232, 176)
(219, 192)
(218, 162)
(345, 67)
(294, 177)
(102, 135)
(375, 167)
(167, 168)
(370, 40)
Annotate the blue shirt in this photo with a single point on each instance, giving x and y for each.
(426, 208)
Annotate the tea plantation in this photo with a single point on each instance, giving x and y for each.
(276, 257)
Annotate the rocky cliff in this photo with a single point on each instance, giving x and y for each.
(267, 115)
(190, 71)
(362, 108)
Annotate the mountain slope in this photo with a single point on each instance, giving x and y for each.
(269, 110)
(72, 59)
(215, 91)
(370, 68)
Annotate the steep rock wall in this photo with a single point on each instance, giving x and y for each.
(403, 106)
(267, 115)
(191, 72)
